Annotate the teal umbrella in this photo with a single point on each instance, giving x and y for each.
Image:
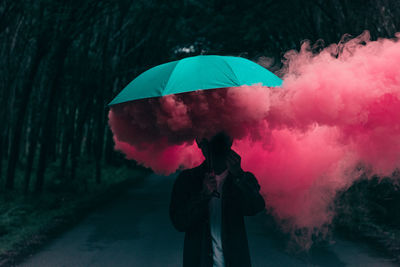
(196, 73)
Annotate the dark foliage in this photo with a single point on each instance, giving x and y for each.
(369, 209)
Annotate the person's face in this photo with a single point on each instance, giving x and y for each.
(217, 147)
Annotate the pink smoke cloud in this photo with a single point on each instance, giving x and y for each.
(336, 115)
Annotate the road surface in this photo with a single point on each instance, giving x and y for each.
(134, 230)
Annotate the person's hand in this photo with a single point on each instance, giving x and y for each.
(209, 184)
(233, 162)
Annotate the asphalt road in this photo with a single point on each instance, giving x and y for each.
(134, 230)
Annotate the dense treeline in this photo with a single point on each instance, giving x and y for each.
(63, 61)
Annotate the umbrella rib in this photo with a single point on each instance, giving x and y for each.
(237, 82)
(169, 78)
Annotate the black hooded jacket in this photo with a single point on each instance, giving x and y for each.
(189, 213)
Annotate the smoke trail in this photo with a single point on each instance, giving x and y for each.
(336, 116)
(159, 132)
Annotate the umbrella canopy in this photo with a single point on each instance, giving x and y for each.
(196, 73)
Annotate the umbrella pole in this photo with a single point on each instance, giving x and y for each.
(210, 165)
(215, 193)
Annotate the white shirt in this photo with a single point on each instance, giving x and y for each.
(215, 209)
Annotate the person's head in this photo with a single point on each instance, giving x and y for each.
(216, 147)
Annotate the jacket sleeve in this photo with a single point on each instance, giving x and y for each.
(250, 198)
(187, 208)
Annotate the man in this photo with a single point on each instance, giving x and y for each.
(208, 203)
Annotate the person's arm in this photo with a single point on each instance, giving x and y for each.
(250, 198)
(187, 208)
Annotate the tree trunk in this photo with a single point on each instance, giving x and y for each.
(31, 155)
(99, 134)
(49, 118)
(66, 142)
(26, 92)
(75, 151)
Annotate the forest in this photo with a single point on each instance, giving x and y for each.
(63, 61)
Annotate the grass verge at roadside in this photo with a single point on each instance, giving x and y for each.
(369, 211)
(29, 222)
